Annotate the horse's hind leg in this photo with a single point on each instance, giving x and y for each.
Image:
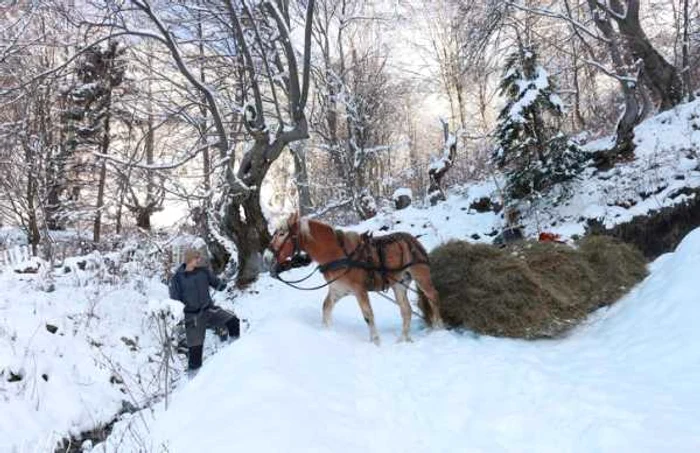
(421, 274)
(363, 300)
(405, 307)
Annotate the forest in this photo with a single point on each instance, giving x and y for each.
(211, 114)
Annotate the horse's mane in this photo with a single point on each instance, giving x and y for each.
(305, 228)
(352, 236)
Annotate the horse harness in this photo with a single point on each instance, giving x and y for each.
(362, 257)
(350, 261)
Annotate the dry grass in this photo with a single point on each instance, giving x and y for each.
(531, 290)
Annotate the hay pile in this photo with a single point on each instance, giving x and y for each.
(531, 290)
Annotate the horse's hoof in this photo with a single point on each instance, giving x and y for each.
(405, 339)
(375, 340)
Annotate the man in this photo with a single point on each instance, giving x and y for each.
(190, 285)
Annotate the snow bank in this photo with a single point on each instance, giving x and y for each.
(667, 161)
(80, 352)
(401, 192)
(627, 381)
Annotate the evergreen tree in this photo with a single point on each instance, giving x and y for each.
(533, 154)
(88, 117)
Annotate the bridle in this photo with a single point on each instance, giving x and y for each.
(296, 259)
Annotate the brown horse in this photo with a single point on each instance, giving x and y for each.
(355, 264)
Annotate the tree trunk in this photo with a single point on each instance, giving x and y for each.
(120, 207)
(578, 120)
(55, 179)
(244, 221)
(624, 134)
(301, 178)
(124, 182)
(143, 218)
(56, 175)
(104, 148)
(32, 221)
(203, 125)
(686, 53)
(664, 81)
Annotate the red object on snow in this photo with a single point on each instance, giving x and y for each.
(549, 237)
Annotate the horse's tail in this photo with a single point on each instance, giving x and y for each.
(425, 307)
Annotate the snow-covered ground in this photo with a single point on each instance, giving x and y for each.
(73, 358)
(627, 381)
(667, 160)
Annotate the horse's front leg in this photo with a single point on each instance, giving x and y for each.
(368, 314)
(328, 304)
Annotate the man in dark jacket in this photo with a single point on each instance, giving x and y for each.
(190, 285)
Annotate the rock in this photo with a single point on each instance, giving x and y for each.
(402, 202)
(511, 234)
(28, 270)
(483, 204)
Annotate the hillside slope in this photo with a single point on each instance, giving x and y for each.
(626, 381)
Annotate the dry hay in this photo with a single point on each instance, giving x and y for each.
(531, 290)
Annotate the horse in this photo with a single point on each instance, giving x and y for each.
(353, 263)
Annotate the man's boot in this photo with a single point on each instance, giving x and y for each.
(234, 329)
(194, 357)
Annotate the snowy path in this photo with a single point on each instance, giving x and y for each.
(628, 381)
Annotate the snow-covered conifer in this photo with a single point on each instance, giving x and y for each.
(533, 154)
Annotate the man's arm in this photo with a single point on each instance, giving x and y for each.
(215, 282)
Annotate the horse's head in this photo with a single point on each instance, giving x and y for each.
(285, 240)
(286, 245)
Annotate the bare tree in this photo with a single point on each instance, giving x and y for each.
(661, 76)
(685, 70)
(355, 100)
(263, 47)
(439, 167)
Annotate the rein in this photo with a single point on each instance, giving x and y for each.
(351, 263)
(292, 283)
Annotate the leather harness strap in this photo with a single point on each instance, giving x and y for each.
(380, 244)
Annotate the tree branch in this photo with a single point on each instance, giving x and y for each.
(169, 41)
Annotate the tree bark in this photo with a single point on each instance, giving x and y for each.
(301, 178)
(104, 149)
(143, 218)
(663, 78)
(685, 70)
(631, 116)
(33, 233)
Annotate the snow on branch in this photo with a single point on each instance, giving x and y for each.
(555, 15)
(167, 37)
